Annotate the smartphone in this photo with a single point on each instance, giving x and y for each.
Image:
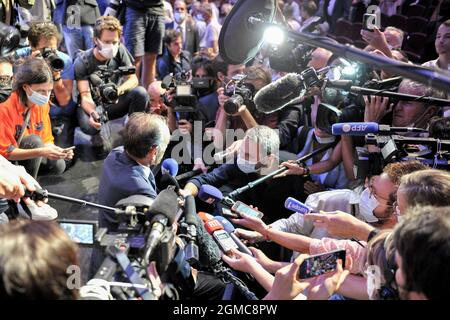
(240, 208)
(227, 213)
(81, 232)
(320, 264)
(369, 21)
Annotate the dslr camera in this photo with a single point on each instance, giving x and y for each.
(240, 93)
(53, 60)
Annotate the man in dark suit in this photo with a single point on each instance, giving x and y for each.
(126, 170)
(184, 23)
(334, 10)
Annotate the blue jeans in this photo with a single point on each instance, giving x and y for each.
(78, 39)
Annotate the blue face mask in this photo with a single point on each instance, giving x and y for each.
(38, 98)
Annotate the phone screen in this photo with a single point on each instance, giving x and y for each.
(368, 21)
(80, 232)
(240, 208)
(320, 264)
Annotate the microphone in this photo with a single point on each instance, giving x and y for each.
(169, 166)
(222, 238)
(212, 195)
(190, 174)
(205, 217)
(209, 251)
(297, 206)
(228, 227)
(162, 213)
(279, 94)
(191, 249)
(363, 128)
(95, 80)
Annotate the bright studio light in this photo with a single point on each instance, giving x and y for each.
(274, 35)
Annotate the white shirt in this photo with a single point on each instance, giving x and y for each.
(434, 65)
(211, 35)
(181, 26)
(331, 6)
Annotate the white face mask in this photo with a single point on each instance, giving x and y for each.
(324, 140)
(179, 17)
(246, 166)
(108, 50)
(199, 17)
(38, 98)
(367, 205)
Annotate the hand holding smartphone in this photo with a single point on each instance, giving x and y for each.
(241, 208)
(320, 264)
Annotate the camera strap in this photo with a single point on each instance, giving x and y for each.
(134, 278)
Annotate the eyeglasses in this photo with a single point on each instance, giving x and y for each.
(5, 79)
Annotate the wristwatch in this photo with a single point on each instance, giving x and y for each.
(57, 79)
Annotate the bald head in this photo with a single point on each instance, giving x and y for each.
(156, 93)
(319, 58)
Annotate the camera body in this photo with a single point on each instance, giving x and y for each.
(289, 58)
(240, 93)
(185, 99)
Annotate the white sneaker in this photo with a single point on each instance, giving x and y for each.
(44, 213)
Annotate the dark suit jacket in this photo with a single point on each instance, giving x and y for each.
(341, 10)
(191, 43)
(208, 106)
(121, 178)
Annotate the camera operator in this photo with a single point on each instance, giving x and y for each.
(44, 40)
(6, 79)
(224, 72)
(422, 243)
(286, 120)
(405, 114)
(109, 52)
(31, 143)
(175, 60)
(34, 259)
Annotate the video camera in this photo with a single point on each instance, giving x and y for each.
(240, 93)
(104, 87)
(289, 58)
(186, 90)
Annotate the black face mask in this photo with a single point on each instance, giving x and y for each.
(5, 92)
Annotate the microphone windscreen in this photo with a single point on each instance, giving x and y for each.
(205, 216)
(227, 225)
(167, 180)
(170, 166)
(297, 206)
(354, 128)
(210, 194)
(190, 210)
(278, 94)
(95, 80)
(209, 252)
(166, 204)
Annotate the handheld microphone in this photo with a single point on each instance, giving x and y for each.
(363, 128)
(297, 206)
(162, 213)
(190, 174)
(222, 238)
(169, 166)
(205, 217)
(209, 251)
(191, 249)
(212, 195)
(228, 227)
(278, 94)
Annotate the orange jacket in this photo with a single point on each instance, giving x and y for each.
(12, 119)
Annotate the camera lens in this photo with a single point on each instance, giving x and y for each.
(110, 94)
(56, 63)
(233, 104)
